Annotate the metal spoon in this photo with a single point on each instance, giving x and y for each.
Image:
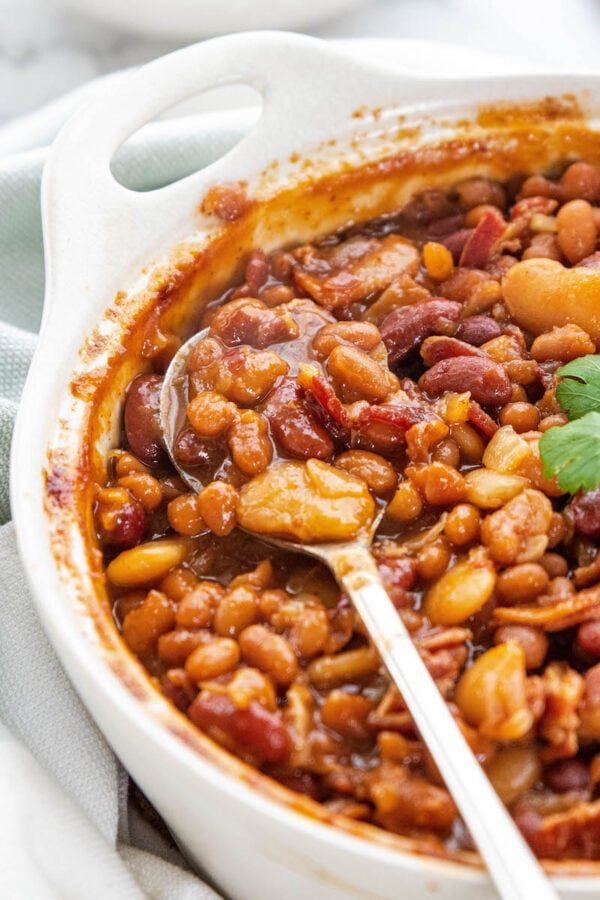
(514, 869)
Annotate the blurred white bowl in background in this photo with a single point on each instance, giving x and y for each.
(205, 18)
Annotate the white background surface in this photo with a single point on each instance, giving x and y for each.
(46, 49)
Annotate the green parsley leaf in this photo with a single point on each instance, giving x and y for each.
(579, 391)
(572, 452)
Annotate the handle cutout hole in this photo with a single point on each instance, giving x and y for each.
(186, 137)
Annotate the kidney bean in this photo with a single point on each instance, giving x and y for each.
(192, 450)
(142, 419)
(249, 321)
(120, 518)
(441, 347)
(568, 775)
(477, 330)
(588, 637)
(486, 380)
(584, 509)
(456, 241)
(407, 327)
(178, 688)
(297, 780)
(257, 271)
(293, 426)
(253, 729)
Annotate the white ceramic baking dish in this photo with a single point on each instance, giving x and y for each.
(338, 139)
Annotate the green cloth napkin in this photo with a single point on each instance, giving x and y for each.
(160, 154)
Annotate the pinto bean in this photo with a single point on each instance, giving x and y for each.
(519, 527)
(293, 426)
(532, 641)
(210, 414)
(246, 377)
(363, 335)
(565, 343)
(143, 626)
(378, 473)
(576, 230)
(522, 583)
(486, 380)
(213, 659)
(249, 321)
(249, 443)
(142, 419)
(588, 637)
(477, 330)
(269, 652)
(477, 191)
(407, 327)
(581, 181)
(357, 376)
(217, 504)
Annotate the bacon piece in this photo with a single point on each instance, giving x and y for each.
(531, 206)
(566, 613)
(338, 278)
(407, 327)
(480, 419)
(574, 833)
(328, 400)
(563, 690)
(401, 417)
(481, 244)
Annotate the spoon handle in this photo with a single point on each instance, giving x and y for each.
(511, 864)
